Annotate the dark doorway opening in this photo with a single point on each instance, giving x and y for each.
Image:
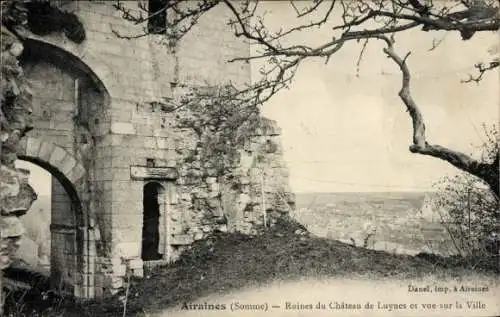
(151, 223)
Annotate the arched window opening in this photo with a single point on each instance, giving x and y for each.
(157, 21)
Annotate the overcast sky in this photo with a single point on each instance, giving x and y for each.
(348, 133)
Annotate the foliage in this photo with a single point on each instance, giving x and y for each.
(469, 209)
(222, 125)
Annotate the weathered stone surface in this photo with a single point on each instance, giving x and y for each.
(16, 196)
(117, 126)
(119, 270)
(122, 128)
(138, 272)
(19, 204)
(9, 184)
(32, 147)
(179, 239)
(127, 250)
(135, 264)
(161, 173)
(10, 227)
(57, 156)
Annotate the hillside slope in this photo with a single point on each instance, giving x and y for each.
(228, 262)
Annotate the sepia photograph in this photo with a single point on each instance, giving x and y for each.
(249, 158)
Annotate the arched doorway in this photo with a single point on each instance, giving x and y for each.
(34, 249)
(70, 105)
(153, 208)
(59, 237)
(72, 249)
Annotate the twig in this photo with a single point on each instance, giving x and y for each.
(482, 68)
(360, 57)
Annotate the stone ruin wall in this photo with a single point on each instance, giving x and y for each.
(16, 195)
(122, 124)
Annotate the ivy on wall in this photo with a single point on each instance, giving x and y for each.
(222, 126)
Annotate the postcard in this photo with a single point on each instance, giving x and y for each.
(250, 158)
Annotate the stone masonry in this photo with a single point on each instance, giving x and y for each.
(124, 165)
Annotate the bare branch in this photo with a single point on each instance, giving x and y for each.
(487, 172)
(482, 69)
(360, 57)
(437, 42)
(180, 21)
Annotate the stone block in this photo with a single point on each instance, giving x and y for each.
(32, 147)
(116, 261)
(121, 115)
(214, 187)
(139, 272)
(127, 220)
(98, 291)
(62, 126)
(119, 270)
(120, 173)
(10, 226)
(243, 200)
(183, 239)
(144, 129)
(67, 164)
(135, 264)
(244, 180)
(165, 143)
(19, 204)
(127, 250)
(174, 196)
(9, 186)
(45, 151)
(57, 156)
(161, 132)
(147, 142)
(198, 235)
(175, 229)
(76, 174)
(211, 180)
(122, 128)
(117, 282)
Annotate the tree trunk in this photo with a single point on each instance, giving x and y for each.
(488, 172)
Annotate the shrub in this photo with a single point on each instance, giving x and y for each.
(469, 209)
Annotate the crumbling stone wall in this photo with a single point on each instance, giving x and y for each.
(16, 121)
(16, 196)
(231, 175)
(228, 173)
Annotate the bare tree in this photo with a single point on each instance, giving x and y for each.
(349, 21)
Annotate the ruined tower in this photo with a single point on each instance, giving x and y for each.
(129, 188)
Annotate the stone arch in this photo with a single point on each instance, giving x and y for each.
(70, 101)
(70, 157)
(70, 173)
(56, 49)
(68, 169)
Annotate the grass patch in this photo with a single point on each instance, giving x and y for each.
(229, 261)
